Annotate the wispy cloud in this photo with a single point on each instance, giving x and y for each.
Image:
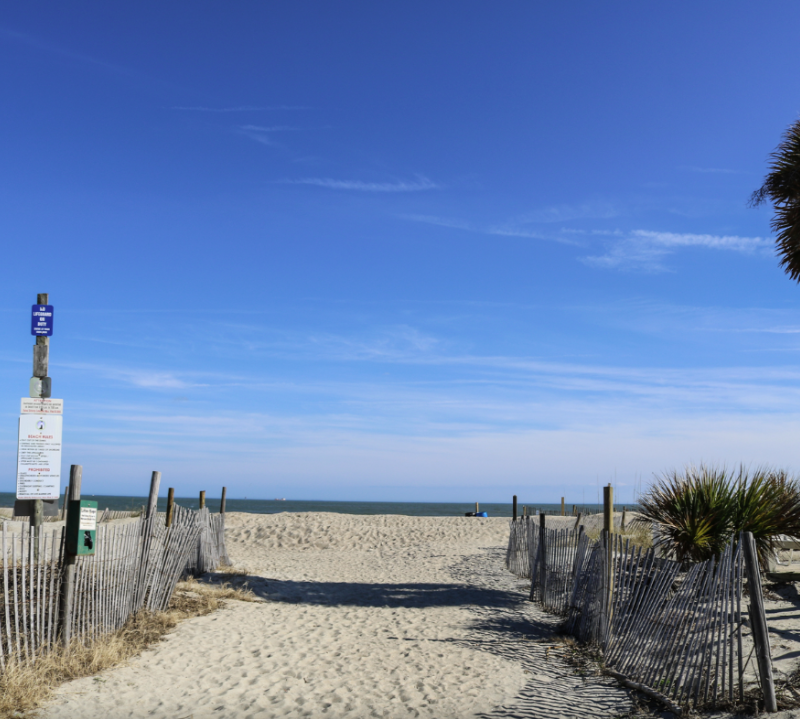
(567, 213)
(137, 377)
(421, 183)
(263, 133)
(57, 49)
(505, 230)
(713, 170)
(271, 128)
(238, 108)
(646, 250)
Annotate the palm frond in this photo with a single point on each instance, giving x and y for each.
(782, 188)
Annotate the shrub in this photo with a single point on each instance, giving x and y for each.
(696, 512)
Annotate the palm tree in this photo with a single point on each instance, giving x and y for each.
(782, 188)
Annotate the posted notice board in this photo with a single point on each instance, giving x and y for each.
(39, 456)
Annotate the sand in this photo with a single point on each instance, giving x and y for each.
(359, 616)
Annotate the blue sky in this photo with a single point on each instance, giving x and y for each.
(400, 251)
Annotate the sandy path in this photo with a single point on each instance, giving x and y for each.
(362, 616)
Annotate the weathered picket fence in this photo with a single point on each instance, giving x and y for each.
(210, 552)
(136, 565)
(674, 630)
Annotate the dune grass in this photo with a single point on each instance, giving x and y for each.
(26, 687)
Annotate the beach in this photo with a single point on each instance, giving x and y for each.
(358, 616)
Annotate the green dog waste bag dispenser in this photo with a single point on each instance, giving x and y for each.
(81, 526)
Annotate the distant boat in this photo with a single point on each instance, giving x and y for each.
(280, 499)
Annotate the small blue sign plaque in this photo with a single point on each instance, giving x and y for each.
(42, 320)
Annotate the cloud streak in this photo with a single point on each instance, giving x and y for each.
(646, 250)
(505, 230)
(237, 108)
(421, 184)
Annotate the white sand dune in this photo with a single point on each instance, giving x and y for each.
(362, 616)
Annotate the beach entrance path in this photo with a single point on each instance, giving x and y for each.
(362, 616)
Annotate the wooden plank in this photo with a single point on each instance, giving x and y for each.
(6, 559)
(693, 656)
(14, 572)
(53, 572)
(759, 618)
(676, 626)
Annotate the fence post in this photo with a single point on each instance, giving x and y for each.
(202, 498)
(542, 557)
(759, 621)
(222, 501)
(562, 507)
(608, 509)
(608, 531)
(170, 506)
(68, 584)
(152, 500)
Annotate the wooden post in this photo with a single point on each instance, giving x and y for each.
(608, 509)
(476, 508)
(41, 355)
(562, 507)
(222, 501)
(758, 619)
(202, 498)
(170, 506)
(152, 500)
(514, 508)
(66, 600)
(573, 510)
(64, 506)
(624, 517)
(608, 531)
(542, 557)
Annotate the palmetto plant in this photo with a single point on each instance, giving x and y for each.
(697, 511)
(782, 188)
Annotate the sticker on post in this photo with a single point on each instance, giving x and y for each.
(88, 519)
(42, 405)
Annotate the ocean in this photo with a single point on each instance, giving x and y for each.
(273, 506)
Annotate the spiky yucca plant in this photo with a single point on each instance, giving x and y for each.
(696, 512)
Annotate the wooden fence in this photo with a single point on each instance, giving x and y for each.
(136, 565)
(674, 630)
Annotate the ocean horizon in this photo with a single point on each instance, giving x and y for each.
(274, 506)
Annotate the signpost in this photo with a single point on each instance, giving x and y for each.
(39, 443)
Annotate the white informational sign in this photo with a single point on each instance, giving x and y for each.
(39, 456)
(41, 405)
(88, 518)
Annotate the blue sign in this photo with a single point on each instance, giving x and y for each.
(42, 320)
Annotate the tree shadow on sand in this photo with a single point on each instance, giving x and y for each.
(356, 594)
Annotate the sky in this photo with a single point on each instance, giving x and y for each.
(399, 251)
